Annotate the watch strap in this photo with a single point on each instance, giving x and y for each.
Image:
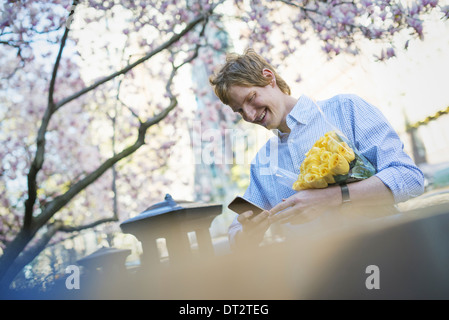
(345, 193)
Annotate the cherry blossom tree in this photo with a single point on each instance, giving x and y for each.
(72, 141)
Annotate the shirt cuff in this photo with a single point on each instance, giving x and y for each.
(404, 183)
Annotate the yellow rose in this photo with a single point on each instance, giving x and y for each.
(338, 164)
(331, 134)
(336, 145)
(314, 181)
(324, 156)
(296, 186)
(346, 152)
(310, 161)
(300, 184)
(313, 169)
(313, 151)
(332, 145)
(326, 173)
(321, 142)
(329, 179)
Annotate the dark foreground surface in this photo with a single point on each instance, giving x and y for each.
(400, 256)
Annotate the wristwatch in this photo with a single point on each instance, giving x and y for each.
(345, 194)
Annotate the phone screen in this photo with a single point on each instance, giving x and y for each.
(240, 205)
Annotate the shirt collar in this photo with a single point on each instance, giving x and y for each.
(300, 114)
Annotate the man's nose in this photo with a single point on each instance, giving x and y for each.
(249, 113)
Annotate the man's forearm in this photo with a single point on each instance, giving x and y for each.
(370, 192)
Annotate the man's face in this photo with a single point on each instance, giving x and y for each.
(259, 105)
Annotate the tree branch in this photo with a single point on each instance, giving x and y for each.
(162, 47)
(51, 90)
(57, 203)
(87, 226)
(36, 165)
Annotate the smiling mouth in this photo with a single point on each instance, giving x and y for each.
(261, 117)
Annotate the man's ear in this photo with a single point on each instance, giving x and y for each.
(269, 74)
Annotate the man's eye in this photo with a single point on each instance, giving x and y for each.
(252, 97)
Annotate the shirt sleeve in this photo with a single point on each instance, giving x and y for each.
(376, 139)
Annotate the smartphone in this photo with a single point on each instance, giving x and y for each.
(240, 205)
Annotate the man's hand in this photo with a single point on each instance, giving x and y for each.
(253, 227)
(305, 205)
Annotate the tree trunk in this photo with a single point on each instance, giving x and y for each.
(11, 253)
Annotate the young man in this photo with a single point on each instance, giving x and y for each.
(252, 88)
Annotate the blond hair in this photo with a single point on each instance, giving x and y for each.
(244, 70)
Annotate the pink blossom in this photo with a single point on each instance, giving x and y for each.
(445, 11)
(390, 53)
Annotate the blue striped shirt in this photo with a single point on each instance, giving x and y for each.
(362, 123)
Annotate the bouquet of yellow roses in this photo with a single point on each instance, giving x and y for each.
(330, 161)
